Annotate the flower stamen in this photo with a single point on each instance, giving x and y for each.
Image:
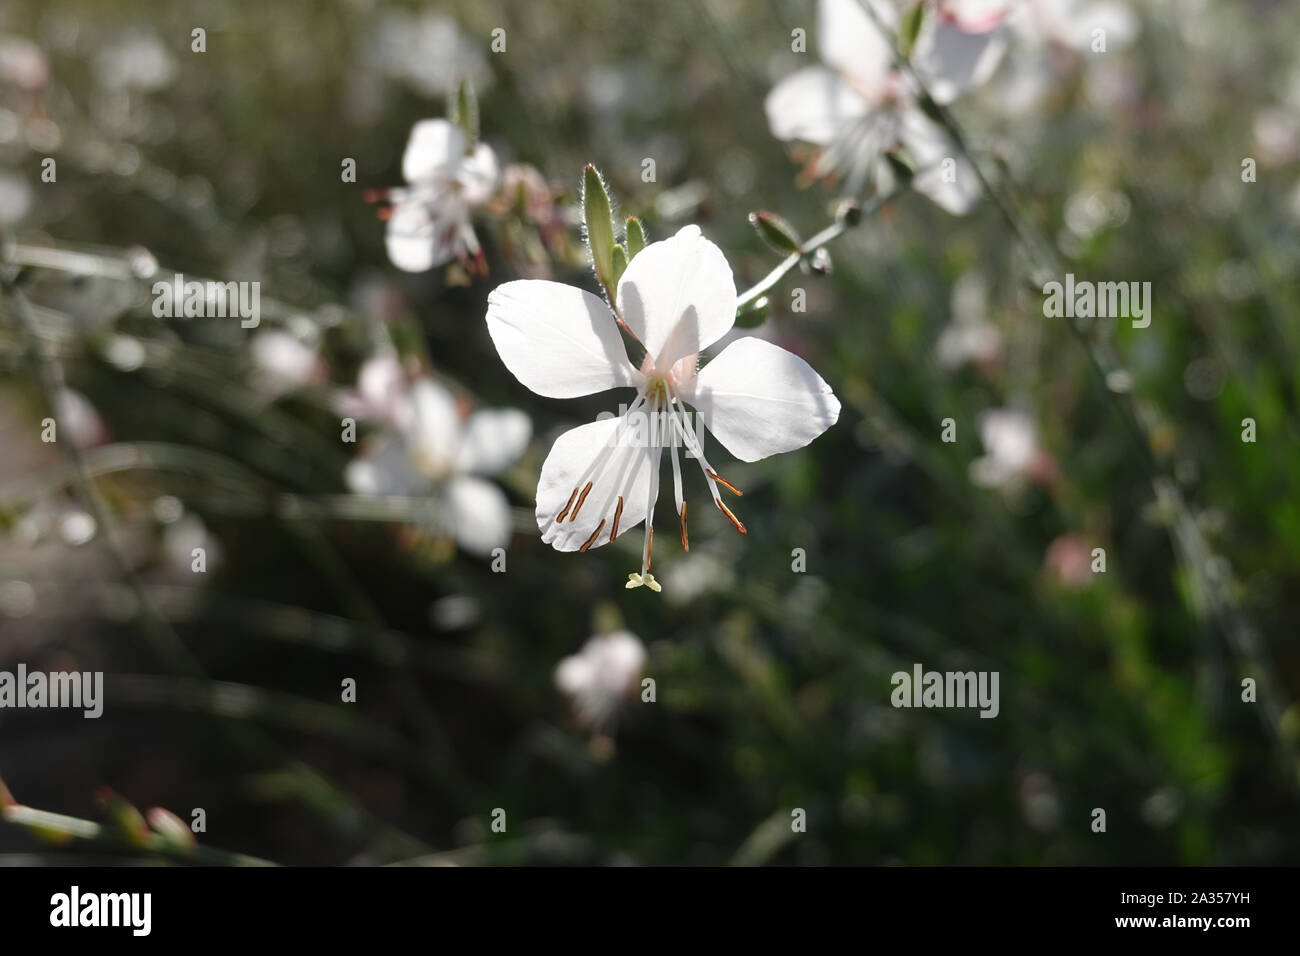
(618, 513)
(592, 540)
(731, 517)
(723, 481)
(560, 516)
(585, 491)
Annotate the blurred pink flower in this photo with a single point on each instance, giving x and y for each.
(1069, 560)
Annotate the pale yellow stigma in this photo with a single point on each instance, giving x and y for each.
(656, 390)
(635, 580)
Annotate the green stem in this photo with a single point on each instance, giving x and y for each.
(1189, 544)
(830, 233)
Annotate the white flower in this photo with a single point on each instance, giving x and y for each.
(431, 450)
(1012, 452)
(1074, 23)
(181, 537)
(429, 222)
(1042, 28)
(16, 198)
(77, 417)
(860, 107)
(282, 362)
(427, 50)
(381, 393)
(136, 60)
(601, 675)
(676, 297)
(23, 64)
(969, 337)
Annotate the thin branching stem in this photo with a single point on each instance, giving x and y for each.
(1189, 544)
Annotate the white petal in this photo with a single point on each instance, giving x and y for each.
(430, 420)
(574, 674)
(478, 514)
(384, 470)
(433, 151)
(976, 16)
(416, 241)
(955, 188)
(678, 296)
(493, 439)
(952, 61)
(1073, 25)
(813, 105)
(77, 416)
(759, 400)
(626, 473)
(1009, 437)
(850, 42)
(558, 340)
(285, 361)
(958, 196)
(381, 384)
(478, 175)
(621, 656)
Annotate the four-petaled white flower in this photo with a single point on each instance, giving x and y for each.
(431, 449)
(429, 221)
(601, 676)
(676, 297)
(860, 107)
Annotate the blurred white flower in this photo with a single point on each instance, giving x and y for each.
(429, 221)
(601, 676)
(1011, 450)
(1276, 136)
(1073, 24)
(969, 337)
(78, 420)
(1069, 560)
(282, 362)
(431, 450)
(696, 575)
(23, 64)
(137, 60)
(76, 527)
(676, 297)
(1044, 28)
(859, 107)
(426, 50)
(15, 198)
(381, 393)
(181, 537)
